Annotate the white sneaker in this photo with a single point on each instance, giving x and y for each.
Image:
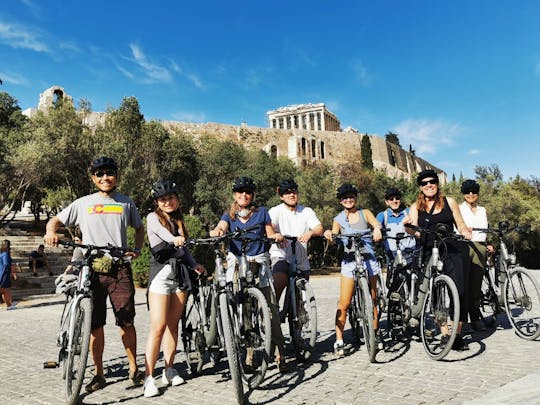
(171, 377)
(150, 389)
(12, 306)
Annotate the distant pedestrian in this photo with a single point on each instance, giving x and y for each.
(5, 273)
(38, 259)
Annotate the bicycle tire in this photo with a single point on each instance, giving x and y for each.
(355, 318)
(522, 302)
(230, 347)
(441, 307)
(255, 343)
(303, 329)
(382, 302)
(192, 336)
(366, 314)
(210, 329)
(77, 355)
(397, 312)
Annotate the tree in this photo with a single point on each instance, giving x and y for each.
(392, 138)
(366, 152)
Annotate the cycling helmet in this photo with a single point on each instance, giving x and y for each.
(424, 174)
(163, 187)
(346, 188)
(244, 183)
(285, 185)
(102, 163)
(470, 185)
(392, 192)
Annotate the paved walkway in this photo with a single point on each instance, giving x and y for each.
(498, 368)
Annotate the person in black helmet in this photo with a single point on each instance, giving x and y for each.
(475, 217)
(103, 218)
(432, 208)
(293, 219)
(169, 282)
(349, 221)
(243, 214)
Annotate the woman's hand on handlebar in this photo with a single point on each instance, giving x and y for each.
(179, 241)
(216, 232)
(328, 235)
(377, 234)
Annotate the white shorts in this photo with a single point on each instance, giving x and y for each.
(372, 266)
(164, 282)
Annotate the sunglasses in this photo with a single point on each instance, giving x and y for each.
(108, 173)
(291, 191)
(426, 182)
(348, 197)
(470, 192)
(394, 199)
(245, 191)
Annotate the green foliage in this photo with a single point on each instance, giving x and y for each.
(366, 152)
(141, 265)
(392, 138)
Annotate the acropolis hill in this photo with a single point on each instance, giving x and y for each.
(305, 133)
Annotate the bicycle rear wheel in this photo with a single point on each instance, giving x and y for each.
(440, 317)
(303, 328)
(522, 301)
(77, 354)
(210, 308)
(227, 315)
(193, 337)
(256, 338)
(355, 317)
(366, 314)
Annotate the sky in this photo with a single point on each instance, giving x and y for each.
(457, 80)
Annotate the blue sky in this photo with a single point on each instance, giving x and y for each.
(458, 80)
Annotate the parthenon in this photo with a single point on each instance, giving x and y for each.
(312, 117)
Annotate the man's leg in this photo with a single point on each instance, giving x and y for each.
(129, 339)
(97, 344)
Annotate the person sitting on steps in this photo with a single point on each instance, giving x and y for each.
(38, 259)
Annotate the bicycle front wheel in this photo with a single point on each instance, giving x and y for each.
(303, 327)
(522, 301)
(440, 317)
(77, 353)
(489, 301)
(192, 336)
(366, 314)
(255, 337)
(231, 346)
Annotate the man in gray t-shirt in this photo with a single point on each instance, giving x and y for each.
(103, 218)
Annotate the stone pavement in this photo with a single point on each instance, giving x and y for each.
(498, 368)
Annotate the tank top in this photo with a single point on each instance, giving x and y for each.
(444, 217)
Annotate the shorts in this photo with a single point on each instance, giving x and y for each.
(164, 282)
(280, 265)
(372, 266)
(265, 275)
(118, 285)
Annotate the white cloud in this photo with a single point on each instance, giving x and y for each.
(189, 116)
(151, 71)
(473, 152)
(196, 81)
(361, 73)
(18, 36)
(427, 136)
(126, 72)
(13, 78)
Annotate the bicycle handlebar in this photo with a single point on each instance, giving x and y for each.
(108, 247)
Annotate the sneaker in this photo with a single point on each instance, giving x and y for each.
(150, 389)
(339, 349)
(171, 377)
(459, 344)
(97, 383)
(12, 306)
(137, 378)
(379, 344)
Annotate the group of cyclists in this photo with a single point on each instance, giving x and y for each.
(103, 218)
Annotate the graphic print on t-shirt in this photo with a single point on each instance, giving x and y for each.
(105, 209)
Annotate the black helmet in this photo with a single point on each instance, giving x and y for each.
(392, 192)
(470, 185)
(346, 188)
(424, 174)
(102, 163)
(244, 183)
(285, 185)
(163, 187)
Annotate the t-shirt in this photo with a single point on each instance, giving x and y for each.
(394, 225)
(102, 219)
(474, 220)
(292, 223)
(258, 217)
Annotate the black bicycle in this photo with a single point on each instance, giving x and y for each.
(507, 282)
(76, 321)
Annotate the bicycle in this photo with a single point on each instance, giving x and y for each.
(76, 321)
(504, 280)
(242, 317)
(299, 309)
(361, 313)
(436, 301)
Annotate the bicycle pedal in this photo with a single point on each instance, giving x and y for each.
(51, 364)
(395, 296)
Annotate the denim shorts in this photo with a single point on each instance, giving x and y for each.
(372, 266)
